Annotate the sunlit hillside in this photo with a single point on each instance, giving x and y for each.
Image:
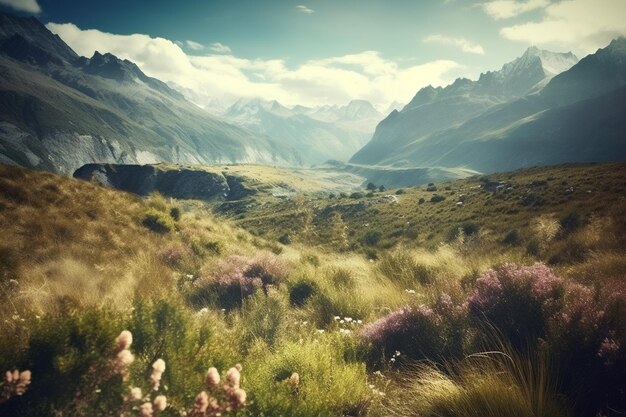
(350, 313)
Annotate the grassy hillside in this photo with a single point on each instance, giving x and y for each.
(330, 305)
(510, 207)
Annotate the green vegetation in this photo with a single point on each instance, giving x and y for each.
(328, 307)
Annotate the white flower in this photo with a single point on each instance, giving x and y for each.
(337, 318)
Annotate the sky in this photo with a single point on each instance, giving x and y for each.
(316, 52)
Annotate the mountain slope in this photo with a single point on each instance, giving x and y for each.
(329, 132)
(59, 111)
(433, 109)
(567, 121)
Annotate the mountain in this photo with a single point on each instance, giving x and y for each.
(59, 111)
(318, 134)
(578, 116)
(434, 109)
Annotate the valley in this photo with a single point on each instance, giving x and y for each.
(220, 209)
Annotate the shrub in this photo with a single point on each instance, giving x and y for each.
(342, 278)
(401, 267)
(422, 200)
(356, 195)
(238, 277)
(431, 188)
(570, 222)
(381, 188)
(518, 300)
(512, 238)
(533, 248)
(371, 186)
(414, 332)
(172, 256)
(590, 331)
(157, 221)
(468, 228)
(327, 383)
(285, 239)
(175, 213)
(437, 198)
(400, 191)
(372, 237)
(301, 291)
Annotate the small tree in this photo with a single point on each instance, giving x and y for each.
(371, 186)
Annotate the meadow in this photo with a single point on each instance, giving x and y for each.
(499, 295)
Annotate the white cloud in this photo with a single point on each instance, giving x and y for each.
(303, 9)
(194, 45)
(220, 48)
(581, 25)
(504, 9)
(462, 43)
(334, 80)
(30, 6)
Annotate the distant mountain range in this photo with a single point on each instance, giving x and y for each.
(543, 108)
(59, 111)
(318, 134)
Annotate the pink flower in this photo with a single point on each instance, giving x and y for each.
(212, 377)
(233, 377)
(124, 340)
(160, 403)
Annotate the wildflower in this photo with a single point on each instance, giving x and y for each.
(239, 397)
(294, 379)
(203, 311)
(409, 291)
(16, 384)
(160, 403)
(233, 377)
(212, 377)
(202, 403)
(239, 367)
(608, 351)
(158, 367)
(348, 319)
(337, 318)
(124, 340)
(135, 394)
(124, 359)
(145, 410)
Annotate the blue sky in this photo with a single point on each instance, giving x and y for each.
(324, 51)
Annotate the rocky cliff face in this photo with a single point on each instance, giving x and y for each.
(182, 183)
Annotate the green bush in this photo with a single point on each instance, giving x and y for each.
(157, 221)
(329, 385)
(372, 237)
(570, 222)
(356, 195)
(437, 198)
(301, 291)
(175, 213)
(512, 238)
(402, 268)
(533, 248)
